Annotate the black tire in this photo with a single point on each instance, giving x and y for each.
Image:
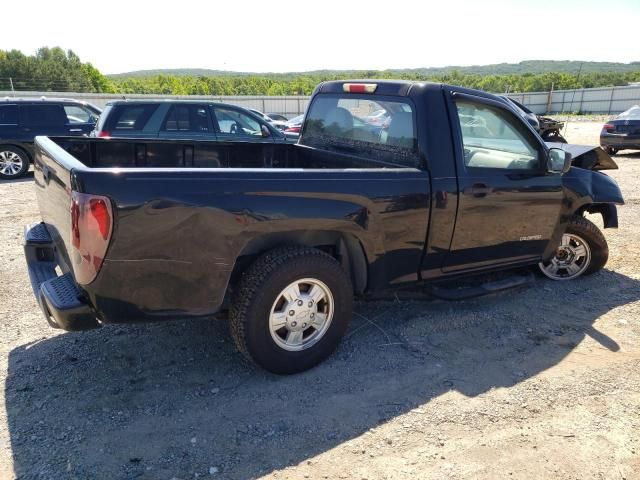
(553, 136)
(261, 285)
(594, 238)
(8, 151)
(611, 150)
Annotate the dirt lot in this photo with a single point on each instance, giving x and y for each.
(542, 382)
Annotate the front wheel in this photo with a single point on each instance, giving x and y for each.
(582, 251)
(291, 309)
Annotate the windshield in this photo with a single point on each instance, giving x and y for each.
(342, 123)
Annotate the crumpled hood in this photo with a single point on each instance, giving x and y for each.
(588, 157)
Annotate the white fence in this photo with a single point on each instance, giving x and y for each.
(608, 100)
(290, 106)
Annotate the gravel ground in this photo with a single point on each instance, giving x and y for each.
(541, 382)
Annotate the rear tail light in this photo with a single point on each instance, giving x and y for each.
(608, 126)
(292, 129)
(91, 227)
(359, 87)
(104, 134)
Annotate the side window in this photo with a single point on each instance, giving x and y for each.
(131, 117)
(493, 138)
(187, 118)
(42, 115)
(8, 115)
(234, 122)
(77, 114)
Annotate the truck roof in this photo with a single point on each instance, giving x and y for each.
(402, 88)
(42, 100)
(169, 100)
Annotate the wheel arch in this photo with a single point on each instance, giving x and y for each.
(344, 247)
(608, 211)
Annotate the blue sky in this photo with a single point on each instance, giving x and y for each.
(298, 35)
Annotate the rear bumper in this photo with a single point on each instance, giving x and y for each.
(62, 302)
(620, 142)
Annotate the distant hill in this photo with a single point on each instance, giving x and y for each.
(177, 72)
(529, 66)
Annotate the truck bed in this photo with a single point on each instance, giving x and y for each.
(185, 213)
(175, 153)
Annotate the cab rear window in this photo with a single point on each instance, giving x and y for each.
(379, 128)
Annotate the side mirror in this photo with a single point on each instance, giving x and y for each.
(558, 161)
(265, 131)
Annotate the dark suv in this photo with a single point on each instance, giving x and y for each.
(21, 120)
(184, 119)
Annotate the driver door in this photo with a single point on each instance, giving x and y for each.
(509, 206)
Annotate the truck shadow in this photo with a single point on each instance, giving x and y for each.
(175, 399)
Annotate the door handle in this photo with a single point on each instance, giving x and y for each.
(75, 129)
(478, 190)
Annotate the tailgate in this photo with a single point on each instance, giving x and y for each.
(54, 179)
(46, 244)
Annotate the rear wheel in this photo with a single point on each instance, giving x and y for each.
(582, 251)
(291, 309)
(14, 162)
(611, 150)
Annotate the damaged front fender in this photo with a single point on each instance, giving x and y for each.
(594, 192)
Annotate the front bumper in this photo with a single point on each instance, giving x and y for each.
(62, 302)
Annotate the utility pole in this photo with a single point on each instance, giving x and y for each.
(574, 90)
(549, 98)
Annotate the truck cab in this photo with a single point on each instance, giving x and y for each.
(489, 171)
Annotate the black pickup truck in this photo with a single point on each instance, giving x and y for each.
(284, 235)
